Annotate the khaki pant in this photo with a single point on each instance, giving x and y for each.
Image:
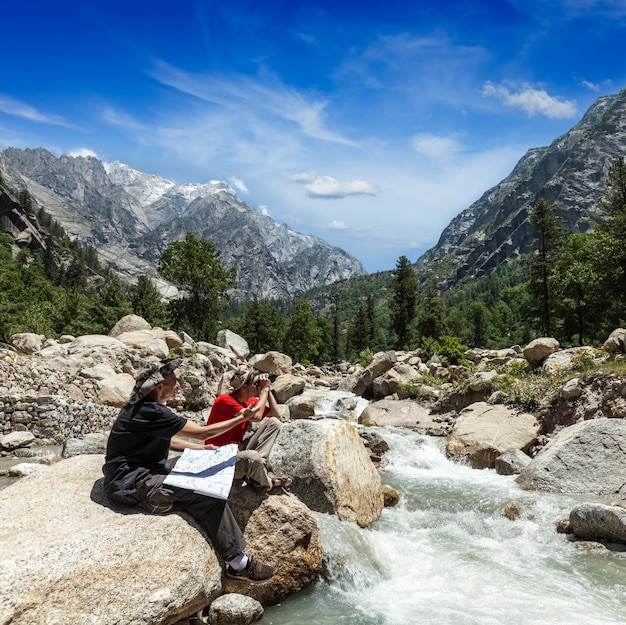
(254, 452)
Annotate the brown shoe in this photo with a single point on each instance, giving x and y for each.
(280, 481)
(254, 572)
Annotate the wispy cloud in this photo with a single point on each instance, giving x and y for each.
(337, 224)
(531, 100)
(436, 147)
(253, 97)
(238, 184)
(13, 107)
(326, 187)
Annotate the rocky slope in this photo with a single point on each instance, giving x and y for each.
(570, 174)
(130, 217)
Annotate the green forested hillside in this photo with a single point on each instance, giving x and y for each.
(570, 286)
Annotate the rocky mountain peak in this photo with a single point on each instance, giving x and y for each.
(130, 217)
(570, 174)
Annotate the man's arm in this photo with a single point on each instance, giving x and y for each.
(179, 444)
(193, 430)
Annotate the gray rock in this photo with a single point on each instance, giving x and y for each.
(331, 469)
(26, 342)
(572, 389)
(512, 462)
(287, 386)
(129, 323)
(538, 350)
(301, 407)
(70, 557)
(596, 521)
(237, 344)
(587, 457)
(483, 431)
(616, 341)
(25, 468)
(14, 440)
(272, 362)
(93, 443)
(399, 413)
(234, 609)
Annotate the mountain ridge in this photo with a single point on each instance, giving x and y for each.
(130, 217)
(570, 174)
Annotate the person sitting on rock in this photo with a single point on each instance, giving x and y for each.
(250, 396)
(136, 464)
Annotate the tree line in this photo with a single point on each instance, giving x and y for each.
(570, 286)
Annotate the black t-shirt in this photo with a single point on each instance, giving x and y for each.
(138, 447)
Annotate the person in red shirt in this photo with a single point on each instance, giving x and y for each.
(250, 395)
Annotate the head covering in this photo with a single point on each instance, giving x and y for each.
(241, 377)
(147, 379)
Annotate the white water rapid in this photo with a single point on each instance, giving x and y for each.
(446, 554)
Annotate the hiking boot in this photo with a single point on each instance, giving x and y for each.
(254, 572)
(280, 481)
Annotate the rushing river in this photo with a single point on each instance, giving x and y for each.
(446, 554)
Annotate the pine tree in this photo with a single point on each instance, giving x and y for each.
(404, 301)
(302, 336)
(550, 237)
(147, 302)
(432, 317)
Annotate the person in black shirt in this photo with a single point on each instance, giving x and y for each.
(136, 464)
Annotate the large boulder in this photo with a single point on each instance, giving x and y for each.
(237, 344)
(129, 323)
(538, 350)
(616, 342)
(272, 362)
(597, 521)
(588, 457)
(286, 386)
(71, 557)
(281, 531)
(393, 380)
(331, 468)
(363, 380)
(400, 413)
(26, 342)
(483, 432)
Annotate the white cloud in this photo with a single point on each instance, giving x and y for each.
(83, 152)
(328, 188)
(336, 224)
(264, 210)
(13, 107)
(531, 100)
(238, 184)
(436, 147)
(304, 177)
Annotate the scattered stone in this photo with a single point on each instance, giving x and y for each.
(511, 462)
(234, 609)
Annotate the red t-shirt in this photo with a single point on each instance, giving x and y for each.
(226, 407)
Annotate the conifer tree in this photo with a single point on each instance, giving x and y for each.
(613, 226)
(432, 317)
(550, 237)
(302, 335)
(404, 301)
(147, 302)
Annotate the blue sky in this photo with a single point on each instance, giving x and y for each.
(370, 125)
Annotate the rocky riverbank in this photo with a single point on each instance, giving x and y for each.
(521, 411)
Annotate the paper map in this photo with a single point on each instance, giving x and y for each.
(206, 471)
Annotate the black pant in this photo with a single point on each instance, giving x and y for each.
(211, 513)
